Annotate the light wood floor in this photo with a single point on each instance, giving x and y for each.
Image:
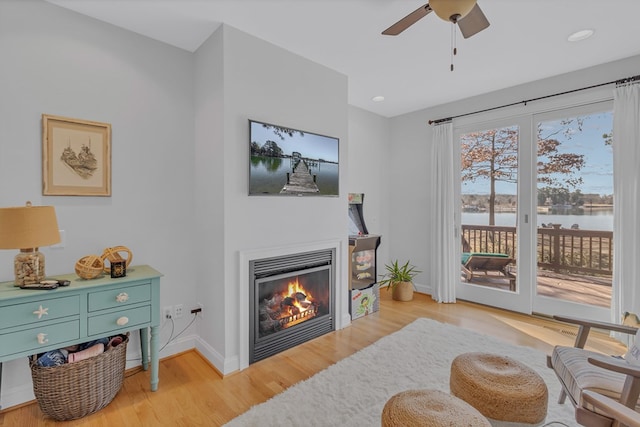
(192, 393)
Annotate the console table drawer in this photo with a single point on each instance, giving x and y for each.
(31, 312)
(118, 297)
(34, 340)
(117, 320)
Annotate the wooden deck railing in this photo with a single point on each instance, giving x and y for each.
(559, 249)
(575, 251)
(489, 238)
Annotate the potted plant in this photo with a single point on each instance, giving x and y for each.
(399, 278)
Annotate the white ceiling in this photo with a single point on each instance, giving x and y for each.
(527, 40)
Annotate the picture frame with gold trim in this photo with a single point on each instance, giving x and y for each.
(76, 157)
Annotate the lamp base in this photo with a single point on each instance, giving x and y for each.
(28, 267)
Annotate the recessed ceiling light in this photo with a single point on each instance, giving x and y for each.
(580, 35)
(378, 98)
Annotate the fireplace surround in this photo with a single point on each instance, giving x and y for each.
(291, 301)
(245, 256)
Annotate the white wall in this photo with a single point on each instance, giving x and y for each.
(58, 62)
(210, 171)
(411, 139)
(266, 83)
(408, 195)
(368, 154)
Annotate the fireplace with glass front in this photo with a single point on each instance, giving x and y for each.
(291, 301)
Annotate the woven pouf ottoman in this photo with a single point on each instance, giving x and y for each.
(504, 390)
(430, 408)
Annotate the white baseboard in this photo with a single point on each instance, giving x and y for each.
(346, 321)
(224, 366)
(179, 345)
(12, 396)
(423, 289)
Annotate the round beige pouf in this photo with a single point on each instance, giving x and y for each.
(430, 408)
(502, 389)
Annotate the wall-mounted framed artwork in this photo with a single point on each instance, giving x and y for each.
(290, 162)
(76, 157)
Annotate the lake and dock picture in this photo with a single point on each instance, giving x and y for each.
(287, 161)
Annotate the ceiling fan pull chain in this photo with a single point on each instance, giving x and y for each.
(454, 49)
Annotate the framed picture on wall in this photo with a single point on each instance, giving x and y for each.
(76, 157)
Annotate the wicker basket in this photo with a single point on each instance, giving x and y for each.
(77, 389)
(89, 267)
(113, 254)
(402, 291)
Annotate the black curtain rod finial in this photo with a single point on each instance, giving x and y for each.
(438, 121)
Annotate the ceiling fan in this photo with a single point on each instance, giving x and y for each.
(465, 13)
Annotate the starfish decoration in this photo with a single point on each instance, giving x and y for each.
(41, 311)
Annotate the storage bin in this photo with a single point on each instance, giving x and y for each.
(74, 390)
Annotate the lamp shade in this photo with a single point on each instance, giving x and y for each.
(28, 227)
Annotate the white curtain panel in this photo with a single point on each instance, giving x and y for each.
(445, 268)
(626, 215)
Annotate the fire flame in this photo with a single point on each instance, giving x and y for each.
(294, 287)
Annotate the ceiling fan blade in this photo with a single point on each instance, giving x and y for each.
(473, 22)
(408, 21)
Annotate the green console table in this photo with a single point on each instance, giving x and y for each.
(35, 321)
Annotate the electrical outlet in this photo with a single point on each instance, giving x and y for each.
(166, 312)
(177, 310)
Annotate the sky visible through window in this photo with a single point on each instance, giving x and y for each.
(597, 173)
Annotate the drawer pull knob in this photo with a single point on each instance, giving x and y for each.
(41, 311)
(122, 321)
(122, 297)
(42, 338)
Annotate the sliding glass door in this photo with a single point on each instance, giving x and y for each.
(574, 208)
(493, 160)
(535, 213)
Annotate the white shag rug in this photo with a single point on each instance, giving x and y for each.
(352, 392)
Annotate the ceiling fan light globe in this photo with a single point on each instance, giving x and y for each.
(452, 10)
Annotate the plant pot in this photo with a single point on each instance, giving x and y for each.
(402, 291)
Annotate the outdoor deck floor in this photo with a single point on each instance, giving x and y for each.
(583, 289)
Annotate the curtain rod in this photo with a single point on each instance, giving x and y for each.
(617, 82)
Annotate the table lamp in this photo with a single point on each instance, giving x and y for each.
(27, 228)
